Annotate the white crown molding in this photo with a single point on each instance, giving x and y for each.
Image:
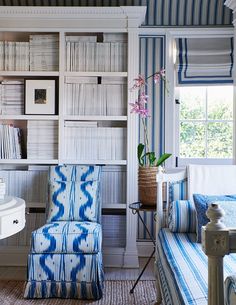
(138, 13)
(133, 12)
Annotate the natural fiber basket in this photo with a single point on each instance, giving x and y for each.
(147, 185)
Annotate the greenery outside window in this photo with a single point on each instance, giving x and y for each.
(205, 124)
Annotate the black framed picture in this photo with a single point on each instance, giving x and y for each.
(40, 96)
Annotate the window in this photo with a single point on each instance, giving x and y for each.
(205, 124)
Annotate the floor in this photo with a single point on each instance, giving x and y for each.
(19, 273)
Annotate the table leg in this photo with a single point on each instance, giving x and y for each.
(132, 289)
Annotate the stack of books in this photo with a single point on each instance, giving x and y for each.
(44, 52)
(42, 140)
(87, 141)
(10, 142)
(83, 53)
(85, 96)
(12, 97)
(14, 56)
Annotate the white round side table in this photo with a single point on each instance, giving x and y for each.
(12, 216)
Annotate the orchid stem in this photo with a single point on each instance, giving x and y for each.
(145, 135)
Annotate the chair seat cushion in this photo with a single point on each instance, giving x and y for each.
(67, 237)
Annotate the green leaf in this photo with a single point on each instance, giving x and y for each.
(151, 158)
(140, 152)
(162, 159)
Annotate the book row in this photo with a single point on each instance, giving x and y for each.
(12, 97)
(91, 143)
(104, 99)
(83, 96)
(10, 142)
(41, 53)
(42, 140)
(96, 56)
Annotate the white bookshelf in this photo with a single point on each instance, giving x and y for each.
(113, 28)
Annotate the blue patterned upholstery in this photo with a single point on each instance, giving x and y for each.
(74, 173)
(81, 197)
(67, 237)
(66, 259)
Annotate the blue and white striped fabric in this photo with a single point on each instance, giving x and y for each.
(230, 290)
(152, 59)
(182, 216)
(67, 237)
(183, 268)
(178, 190)
(204, 60)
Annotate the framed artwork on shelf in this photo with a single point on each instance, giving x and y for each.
(40, 96)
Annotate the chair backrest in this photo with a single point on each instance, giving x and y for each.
(74, 193)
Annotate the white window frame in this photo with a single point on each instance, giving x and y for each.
(171, 109)
(185, 161)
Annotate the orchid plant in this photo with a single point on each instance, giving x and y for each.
(145, 156)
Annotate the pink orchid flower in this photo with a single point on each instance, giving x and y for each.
(143, 98)
(156, 77)
(139, 82)
(139, 108)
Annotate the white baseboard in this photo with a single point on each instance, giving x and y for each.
(112, 257)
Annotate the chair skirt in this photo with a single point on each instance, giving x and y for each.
(75, 275)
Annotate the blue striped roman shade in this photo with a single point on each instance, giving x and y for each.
(204, 60)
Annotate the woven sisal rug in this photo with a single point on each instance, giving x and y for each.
(115, 293)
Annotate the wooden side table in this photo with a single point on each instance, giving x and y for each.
(136, 208)
(12, 216)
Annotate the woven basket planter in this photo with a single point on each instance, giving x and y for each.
(147, 185)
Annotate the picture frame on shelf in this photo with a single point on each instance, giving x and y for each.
(40, 96)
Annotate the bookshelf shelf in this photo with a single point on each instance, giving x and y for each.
(115, 206)
(30, 117)
(29, 73)
(94, 118)
(99, 162)
(96, 74)
(27, 161)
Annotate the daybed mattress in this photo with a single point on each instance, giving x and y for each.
(182, 266)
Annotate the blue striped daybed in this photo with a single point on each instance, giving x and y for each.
(183, 268)
(181, 264)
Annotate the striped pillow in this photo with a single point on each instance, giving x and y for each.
(178, 190)
(182, 216)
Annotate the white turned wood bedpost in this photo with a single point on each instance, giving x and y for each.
(215, 243)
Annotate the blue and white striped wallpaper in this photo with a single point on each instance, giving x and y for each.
(152, 59)
(159, 12)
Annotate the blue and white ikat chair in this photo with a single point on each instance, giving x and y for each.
(65, 260)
